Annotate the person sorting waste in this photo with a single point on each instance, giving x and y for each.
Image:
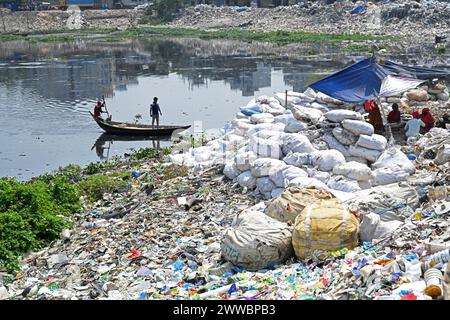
(428, 119)
(375, 118)
(394, 116)
(155, 111)
(413, 126)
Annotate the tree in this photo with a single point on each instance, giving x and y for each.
(167, 9)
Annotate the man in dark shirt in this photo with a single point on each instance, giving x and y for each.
(394, 116)
(98, 110)
(155, 111)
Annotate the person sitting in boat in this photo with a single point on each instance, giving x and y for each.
(394, 116)
(155, 111)
(98, 110)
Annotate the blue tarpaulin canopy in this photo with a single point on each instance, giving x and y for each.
(366, 80)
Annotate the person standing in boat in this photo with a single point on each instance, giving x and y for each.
(98, 110)
(155, 111)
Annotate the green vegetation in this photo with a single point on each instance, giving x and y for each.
(33, 213)
(440, 50)
(281, 37)
(150, 153)
(162, 11)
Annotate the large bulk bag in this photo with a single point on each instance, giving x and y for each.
(292, 202)
(326, 160)
(344, 136)
(341, 115)
(295, 142)
(353, 170)
(375, 142)
(368, 154)
(326, 225)
(246, 180)
(257, 241)
(358, 127)
(307, 114)
(262, 167)
(283, 175)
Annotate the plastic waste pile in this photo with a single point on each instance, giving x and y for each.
(334, 213)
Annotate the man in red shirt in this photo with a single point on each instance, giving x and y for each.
(98, 109)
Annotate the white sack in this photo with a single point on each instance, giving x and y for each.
(343, 184)
(230, 171)
(266, 148)
(298, 159)
(334, 144)
(295, 142)
(294, 126)
(353, 170)
(262, 167)
(245, 179)
(375, 142)
(344, 136)
(340, 115)
(358, 127)
(262, 118)
(282, 176)
(307, 114)
(368, 154)
(326, 160)
(396, 160)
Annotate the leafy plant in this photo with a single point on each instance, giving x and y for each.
(32, 214)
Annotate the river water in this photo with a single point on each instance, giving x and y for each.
(47, 90)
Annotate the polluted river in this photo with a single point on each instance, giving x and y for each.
(297, 197)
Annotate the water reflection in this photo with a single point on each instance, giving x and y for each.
(105, 141)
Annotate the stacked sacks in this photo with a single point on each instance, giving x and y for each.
(326, 225)
(292, 202)
(257, 241)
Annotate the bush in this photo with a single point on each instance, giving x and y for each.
(165, 9)
(31, 215)
(150, 153)
(95, 186)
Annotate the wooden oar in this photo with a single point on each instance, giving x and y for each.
(104, 103)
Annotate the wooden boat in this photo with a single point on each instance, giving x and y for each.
(123, 128)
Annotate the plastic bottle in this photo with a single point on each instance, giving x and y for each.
(433, 279)
(440, 257)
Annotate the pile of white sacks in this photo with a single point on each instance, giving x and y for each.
(314, 142)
